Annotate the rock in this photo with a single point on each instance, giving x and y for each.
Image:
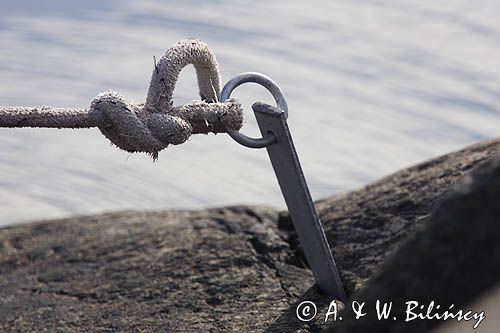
(490, 302)
(450, 260)
(227, 269)
(364, 226)
(178, 271)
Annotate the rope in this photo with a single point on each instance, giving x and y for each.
(152, 126)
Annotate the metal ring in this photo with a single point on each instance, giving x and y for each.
(273, 88)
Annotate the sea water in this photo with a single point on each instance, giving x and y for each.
(372, 87)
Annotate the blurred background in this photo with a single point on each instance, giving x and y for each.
(372, 86)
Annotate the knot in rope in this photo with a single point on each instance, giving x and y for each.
(155, 124)
(131, 128)
(152, 126)
(134, 128)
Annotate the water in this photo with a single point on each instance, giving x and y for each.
(372, 86)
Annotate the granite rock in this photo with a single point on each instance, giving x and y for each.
(223, 269)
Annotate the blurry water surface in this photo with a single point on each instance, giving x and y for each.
(373, 86)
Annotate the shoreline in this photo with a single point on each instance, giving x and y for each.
(198, 269)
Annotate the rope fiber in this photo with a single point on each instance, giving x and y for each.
(151, 126)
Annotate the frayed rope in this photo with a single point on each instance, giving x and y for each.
(153, 125)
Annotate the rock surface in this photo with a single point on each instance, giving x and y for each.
(450, 261)
(227, 269)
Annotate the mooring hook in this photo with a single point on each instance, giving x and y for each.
(273, 88)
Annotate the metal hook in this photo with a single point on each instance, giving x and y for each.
(273, 88)
(277, 139)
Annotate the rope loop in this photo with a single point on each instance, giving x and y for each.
(155, 124)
